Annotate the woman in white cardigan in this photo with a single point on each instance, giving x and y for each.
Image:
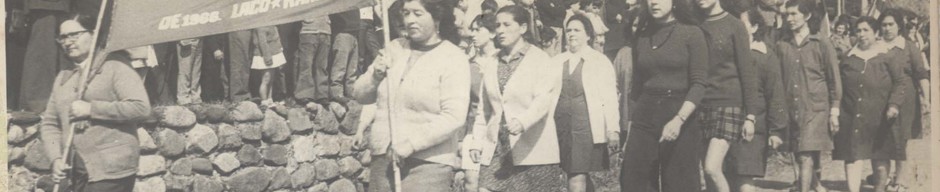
(587, 108)
(514, 127)
(421, 87)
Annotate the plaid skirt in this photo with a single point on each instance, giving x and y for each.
(723, 122)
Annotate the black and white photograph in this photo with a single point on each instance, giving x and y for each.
(470, 96)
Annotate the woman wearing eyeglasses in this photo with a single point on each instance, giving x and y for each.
(105, 149)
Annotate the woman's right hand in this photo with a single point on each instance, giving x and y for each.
(380, 66)
(671, 130)
(59, 168)
(475, 155)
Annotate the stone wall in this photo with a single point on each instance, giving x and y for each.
(235, 147)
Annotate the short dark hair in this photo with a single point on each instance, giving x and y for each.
(755, 18)
(874, 24)
(442, 12)
(489, 5)
(588, 26)
(520, 16)
(487, 21)
(86, 21)
(898, 17)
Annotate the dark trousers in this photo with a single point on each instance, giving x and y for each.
(345, 56)
(238, 67)
(649, 165)
(311, 75)
(42, 62)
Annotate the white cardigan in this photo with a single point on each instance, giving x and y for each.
(429, 103)
(600, 90)
(528, 98)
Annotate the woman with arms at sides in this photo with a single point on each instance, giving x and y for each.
(514, 126)
(421, 83)
(481, 37)
(730, 96)
(874, 89)
(748, 160)
(669, 80)
(811, 79)
(104, 152)
(917, 75)
(587, 116)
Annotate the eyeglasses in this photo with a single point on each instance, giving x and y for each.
(70, 36)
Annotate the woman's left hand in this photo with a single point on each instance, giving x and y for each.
(80, 109)
(613, 140)
(515, 127)
(748, 132)
(892, 112)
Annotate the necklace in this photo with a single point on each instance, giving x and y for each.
(657, 46)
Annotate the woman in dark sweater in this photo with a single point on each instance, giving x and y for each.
(671, 69)
(729, 101)
(748, 160)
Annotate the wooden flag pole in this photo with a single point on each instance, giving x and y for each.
(396, 170)
(82, 87)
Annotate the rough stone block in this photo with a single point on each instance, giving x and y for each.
(304, 176)
(338, 110)
(249, 155)
(229, 137)
(299, 120)
(364, 175)
(326, 122)
(151, 165)
(280, 179)
(152, 184)
(320, 187)
(215, 113)
(146, 142)
(342, 185)
(182, 166)
(250, 131)
(350, 123)
(177, 117)
(247, 111)
(226, 162)
(275, 128)
(326, 169)
(304, 148)
(205, 184)
(252, 179)
(276, 155)
(178, 183)
(201, 166)
(199, 110)
(16, 154)
(201, 139)
(170, 143)
(349, 166)
(327, 145)
(347, 144)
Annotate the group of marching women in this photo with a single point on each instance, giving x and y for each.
(686, 95)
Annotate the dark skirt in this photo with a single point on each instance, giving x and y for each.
(749, 158)
(723, 122)
(502, 175)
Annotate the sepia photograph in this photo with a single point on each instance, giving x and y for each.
(469, 96)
